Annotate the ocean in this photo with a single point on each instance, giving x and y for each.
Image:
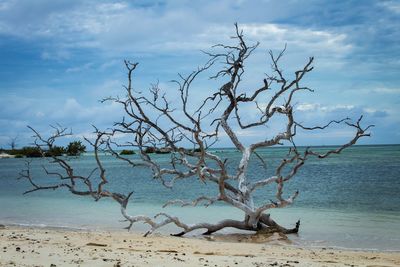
(351, 200)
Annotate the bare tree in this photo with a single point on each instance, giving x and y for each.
(152, 122)
(13, 142)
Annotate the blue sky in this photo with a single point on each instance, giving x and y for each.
(58, 58)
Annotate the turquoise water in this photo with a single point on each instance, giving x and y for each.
(349, 201)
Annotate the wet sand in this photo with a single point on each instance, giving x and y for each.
(23, 246)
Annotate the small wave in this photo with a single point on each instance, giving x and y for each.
(336, 247)
(47, 226)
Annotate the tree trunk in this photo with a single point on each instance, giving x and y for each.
(265, 225)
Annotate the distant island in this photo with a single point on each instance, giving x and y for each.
(74, 148)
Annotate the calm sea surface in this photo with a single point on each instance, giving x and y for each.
(350, 201)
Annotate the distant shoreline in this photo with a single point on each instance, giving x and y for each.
(6, 156)
(274, 147)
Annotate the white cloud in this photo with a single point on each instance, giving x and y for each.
(300, 37)
(73, 111)
(39, 114)
(393, 6)
(307, 107)
(377, 113)
(323, 108)
(107, 7)
(384, 90)
(66, 30)
(80, 68)
(57, 54)
(4, 5)
(120, 27)
(332, 134)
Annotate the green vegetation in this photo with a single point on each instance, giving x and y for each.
(27, 151)
(55, 151)
(127, 152)
(150, 150)
(75, 148)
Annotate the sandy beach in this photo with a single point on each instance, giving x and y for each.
(23, 246)
(6, 156)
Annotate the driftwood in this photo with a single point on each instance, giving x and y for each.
(222, 109)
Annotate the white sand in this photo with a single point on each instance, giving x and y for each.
(44, 247)
(6, 156)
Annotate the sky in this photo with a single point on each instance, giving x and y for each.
(59, 58)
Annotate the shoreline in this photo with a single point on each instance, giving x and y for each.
(6, 156)
(232, 237)
(43, 246)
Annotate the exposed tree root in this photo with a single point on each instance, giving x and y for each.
(273, 226)
(211, 228)
(265, 225)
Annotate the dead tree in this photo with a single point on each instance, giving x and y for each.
(13, 142)
(151, 122)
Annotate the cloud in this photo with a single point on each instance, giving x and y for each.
(311, 114)
(42, 108)
(307, 107)
(320, 114)
(300, 37)
(57, 54)
(80, 68)
(393, 6)
(76, 48)
(322, 108)
(118, 26)
(72, 112)
(385, 90)
(376, 113)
